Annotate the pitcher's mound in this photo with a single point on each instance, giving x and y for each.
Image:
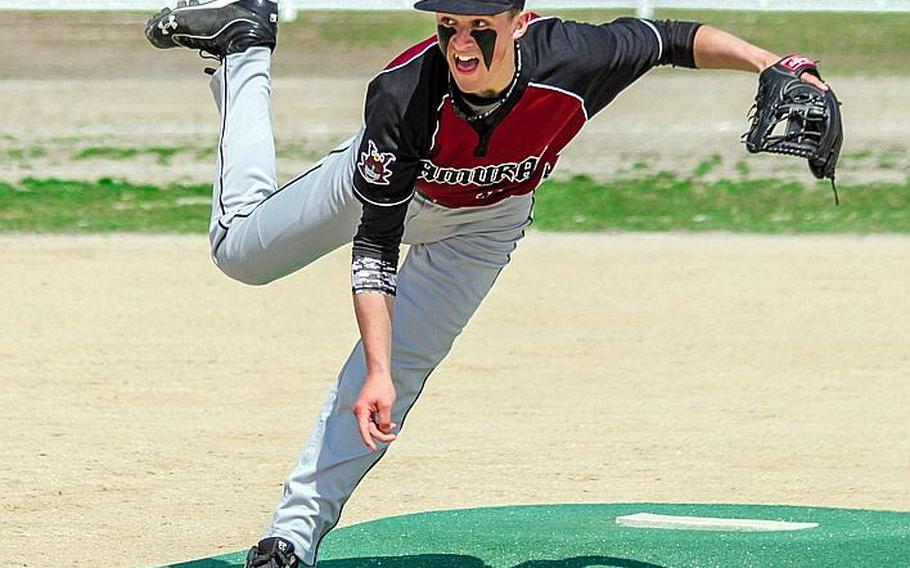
(637, 535)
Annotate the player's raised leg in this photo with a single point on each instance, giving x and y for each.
(441, 284)
(258, 231)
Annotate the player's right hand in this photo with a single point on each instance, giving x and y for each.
(373, 411)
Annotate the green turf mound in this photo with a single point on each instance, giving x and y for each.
(581, 536)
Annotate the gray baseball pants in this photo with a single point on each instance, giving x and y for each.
(260, 232)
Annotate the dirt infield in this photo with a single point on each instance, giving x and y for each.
(649, 129)
(153, 406)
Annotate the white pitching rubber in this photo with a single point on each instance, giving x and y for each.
(652, 521)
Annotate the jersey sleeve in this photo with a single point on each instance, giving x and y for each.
(388, 161)
(612, 56)
(389, 154)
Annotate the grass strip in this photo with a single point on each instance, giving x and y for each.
(661, 202)
(54, 205)
(360, 43)
(163, 154)
(667, 202)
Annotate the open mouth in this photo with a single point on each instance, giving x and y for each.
(466, 64)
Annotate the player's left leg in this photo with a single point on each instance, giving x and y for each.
(441, 284)
(259, 231)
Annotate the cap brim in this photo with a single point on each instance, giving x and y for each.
(463, 7)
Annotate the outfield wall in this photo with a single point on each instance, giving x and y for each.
(640, 5)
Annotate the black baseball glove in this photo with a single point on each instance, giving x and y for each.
(790, 116)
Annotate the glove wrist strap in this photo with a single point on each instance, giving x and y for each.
(797, 64)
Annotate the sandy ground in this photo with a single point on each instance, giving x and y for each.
(153, 406)
(670, 121)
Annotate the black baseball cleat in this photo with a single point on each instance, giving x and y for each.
(219, 27)
(272, 552)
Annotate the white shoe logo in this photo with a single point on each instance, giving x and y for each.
(168, 26)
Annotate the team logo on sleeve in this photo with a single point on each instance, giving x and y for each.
(375, 166)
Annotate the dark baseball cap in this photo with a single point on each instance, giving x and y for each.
(470, 7)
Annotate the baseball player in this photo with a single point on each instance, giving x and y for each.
(458, 132)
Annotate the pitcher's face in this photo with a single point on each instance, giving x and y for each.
(479, 49)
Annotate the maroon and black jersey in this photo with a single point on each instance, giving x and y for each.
(422, 135)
